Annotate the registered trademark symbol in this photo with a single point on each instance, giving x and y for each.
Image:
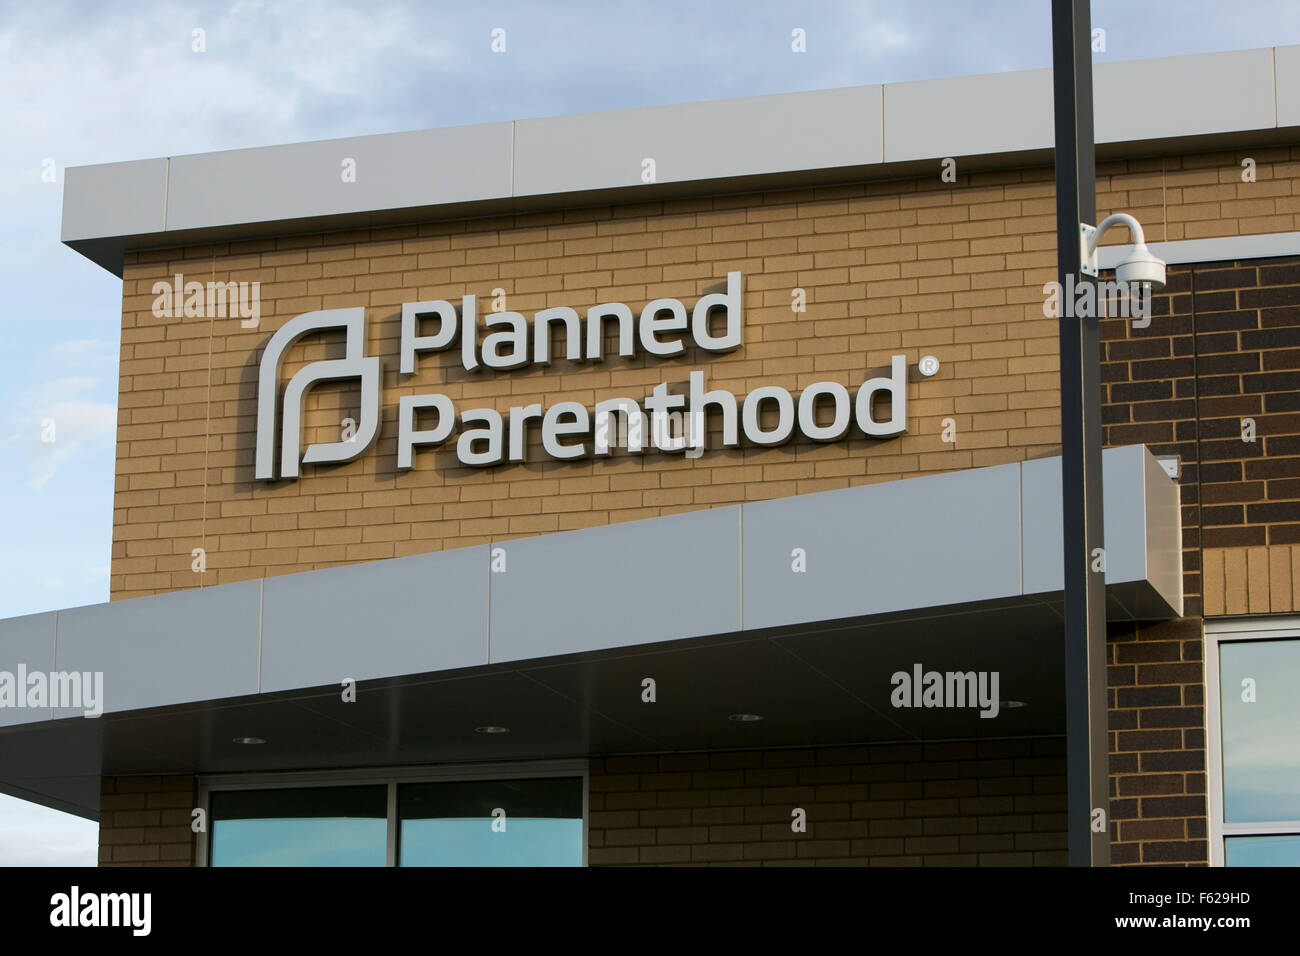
(928, 365)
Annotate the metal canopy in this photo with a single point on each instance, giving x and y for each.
(955, 572)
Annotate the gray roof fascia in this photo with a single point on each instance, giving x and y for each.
(1204, 101)
(979, 534)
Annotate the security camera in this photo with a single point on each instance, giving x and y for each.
(1139, 267)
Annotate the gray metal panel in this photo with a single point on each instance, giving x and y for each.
(427, 612)
(29, 641)
(1184, 95)
(694, 141)
(1040, 525)
(393, 171)
(114, 199)
(1124, 484)
(1164, 534)
(923, 542)
(618, 586)
(972, 115)
(1124, 481)
(1286, 79)
(176, 648)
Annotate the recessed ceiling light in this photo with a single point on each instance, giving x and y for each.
(1012, 704)
(491, 730)
(745, 718)
(249, 740)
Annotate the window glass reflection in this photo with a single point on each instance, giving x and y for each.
(1261, 727)
(313, 826)
(1263, 851)
(491, 823)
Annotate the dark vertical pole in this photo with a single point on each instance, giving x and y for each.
(1085, 597)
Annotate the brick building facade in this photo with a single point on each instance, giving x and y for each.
(1217, 351)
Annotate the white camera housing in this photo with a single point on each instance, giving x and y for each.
(1140, 266)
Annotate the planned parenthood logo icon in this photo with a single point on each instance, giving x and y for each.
(354, 364)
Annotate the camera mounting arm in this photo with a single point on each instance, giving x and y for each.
(1140, 266)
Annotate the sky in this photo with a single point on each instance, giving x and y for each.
(97, 82)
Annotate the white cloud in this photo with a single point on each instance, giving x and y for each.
(269, 74)
(54, 422)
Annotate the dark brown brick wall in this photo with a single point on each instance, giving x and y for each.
(1247, 321)
(1223, 345)
(992, 803)
(1157, 743)
(145, 821)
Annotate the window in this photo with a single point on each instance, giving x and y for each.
(1252, 670)
(313, 826)
(491, 823)
(504, 815)
(1263, 851)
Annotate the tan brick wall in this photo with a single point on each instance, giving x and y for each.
(145, 821)
(994, 803)
(1263, 580)
(911, 267)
